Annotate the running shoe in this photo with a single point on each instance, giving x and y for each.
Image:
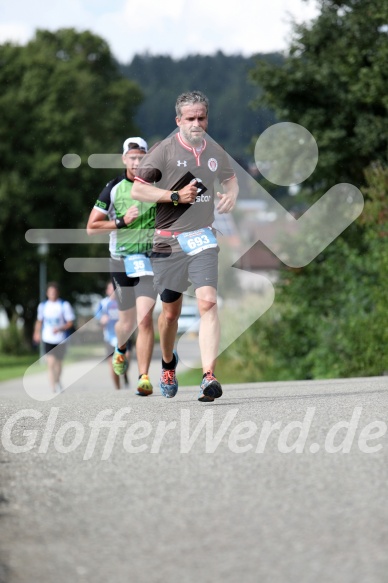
(168, 383)
(210, 388)
(120, 363)
(144, 386)
(58, 387)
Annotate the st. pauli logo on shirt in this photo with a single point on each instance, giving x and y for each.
(213, 164)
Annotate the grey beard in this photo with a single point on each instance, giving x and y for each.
(196, 141)
(193, 141)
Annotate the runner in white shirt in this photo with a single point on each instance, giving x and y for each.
(55, 318)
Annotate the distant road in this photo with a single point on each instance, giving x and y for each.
(115, 488)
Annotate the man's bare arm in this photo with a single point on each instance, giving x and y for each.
(99, 221)
(150, 193)
(228, 197)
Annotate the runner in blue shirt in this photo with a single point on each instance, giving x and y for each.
(107, 314)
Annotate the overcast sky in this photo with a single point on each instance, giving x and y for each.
(168, 27)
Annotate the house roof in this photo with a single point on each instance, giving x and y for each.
(258, 257)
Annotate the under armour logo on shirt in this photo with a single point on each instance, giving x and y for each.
(179, 163)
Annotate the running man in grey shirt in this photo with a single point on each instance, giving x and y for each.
(179, 174)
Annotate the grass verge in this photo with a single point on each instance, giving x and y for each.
(12, 367)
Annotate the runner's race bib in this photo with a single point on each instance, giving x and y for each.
(137, 265)
(194, 242)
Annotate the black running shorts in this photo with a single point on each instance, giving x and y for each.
(56, 350)
(129, 288)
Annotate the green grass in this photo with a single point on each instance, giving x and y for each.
(15, 366)
(12, 367)
(225, 372)
(189, 377)
(84, 351)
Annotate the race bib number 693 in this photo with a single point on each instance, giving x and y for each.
(194, 242)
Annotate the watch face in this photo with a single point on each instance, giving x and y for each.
(174, 196)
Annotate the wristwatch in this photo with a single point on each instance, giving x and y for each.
(175, 197)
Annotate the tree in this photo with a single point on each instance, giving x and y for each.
(61, 93)
(334, 83)
(330, 318)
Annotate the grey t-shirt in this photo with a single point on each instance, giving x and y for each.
(171, 165)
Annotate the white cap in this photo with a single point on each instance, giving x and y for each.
(139, 141)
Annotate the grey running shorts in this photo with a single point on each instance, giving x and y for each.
(175, 272)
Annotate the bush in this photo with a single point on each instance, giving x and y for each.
(12, 340)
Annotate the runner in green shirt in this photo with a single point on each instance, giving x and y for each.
(131, 224)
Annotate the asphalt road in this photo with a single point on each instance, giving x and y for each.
(274, 482)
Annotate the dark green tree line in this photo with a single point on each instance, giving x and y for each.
(61, 93)
(224, 79)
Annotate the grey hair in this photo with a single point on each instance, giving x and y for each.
(190, 98)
